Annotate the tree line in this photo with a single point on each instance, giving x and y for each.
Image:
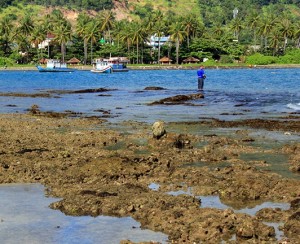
(263, 30)
(77, 4)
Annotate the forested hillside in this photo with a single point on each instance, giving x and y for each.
(141, 6)
(76, 4)
(224, 31)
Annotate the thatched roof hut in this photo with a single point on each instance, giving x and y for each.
(73, 61)
(165, 60)
(190, 60)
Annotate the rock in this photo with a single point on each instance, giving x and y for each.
(178, 99)
(292, 226)
(182, 142)
(251, 228)
(154, 88)
(295, 204)
(158, 129)
(295, 216)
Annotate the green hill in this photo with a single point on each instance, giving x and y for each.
(223, 31)
(210, 10)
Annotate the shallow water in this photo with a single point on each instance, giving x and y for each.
(277, 162)
(251, 209)
(263, 141)
(26, 218)
(248, 93)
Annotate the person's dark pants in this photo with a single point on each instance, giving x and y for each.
(200, 83)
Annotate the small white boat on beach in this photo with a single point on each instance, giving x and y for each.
(55, 65)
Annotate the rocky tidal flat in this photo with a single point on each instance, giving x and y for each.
(99, 168)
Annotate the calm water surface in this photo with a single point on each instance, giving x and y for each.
(229, 94)
(26, 218)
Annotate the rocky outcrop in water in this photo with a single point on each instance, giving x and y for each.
(178, 99)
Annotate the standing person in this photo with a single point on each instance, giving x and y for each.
(201, 77)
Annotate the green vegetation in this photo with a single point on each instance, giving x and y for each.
(261, 59)
(224, 32)
(72, 4)
(6, 62)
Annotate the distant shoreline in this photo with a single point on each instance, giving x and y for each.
(164, 67)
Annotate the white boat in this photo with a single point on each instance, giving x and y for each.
(55, 65)
(101, 66)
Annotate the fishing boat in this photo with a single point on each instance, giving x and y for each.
(118, 64)
(55, 65)
(101, 66)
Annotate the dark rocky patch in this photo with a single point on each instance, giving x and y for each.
(154, 88)
(178, 99)
(45, 95)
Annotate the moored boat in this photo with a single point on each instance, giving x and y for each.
(55, 65)
(118, 64)
(101, 66)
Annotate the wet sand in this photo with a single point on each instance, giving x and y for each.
(98, 168)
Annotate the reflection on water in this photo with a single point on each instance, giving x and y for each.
(215, 202)
(26, 218)
(154, 186)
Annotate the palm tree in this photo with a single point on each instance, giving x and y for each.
(51, 22)
(81, 29)
(237, 26)
(253, 21)
(6, 27)
(218, 30)
(24, 30)
(286, 28)
(296, 34)
(267, 23)
(191, 22)
(158, 30)
(106, 22)
(138, 36)
(38, 36)
(275, 38)
(125, 36)
(26, 25)
(177, 34)
(154, 18)
(117, 30)
(155, 24)
(92, 32)
(63, 34)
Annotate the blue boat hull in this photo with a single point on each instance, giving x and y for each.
(119, 68)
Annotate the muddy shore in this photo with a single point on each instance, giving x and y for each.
(98, 170)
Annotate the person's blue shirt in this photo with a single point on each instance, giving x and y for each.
(200, 73)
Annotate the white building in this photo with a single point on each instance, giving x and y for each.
(155, 41)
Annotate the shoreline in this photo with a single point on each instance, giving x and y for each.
(168, 67)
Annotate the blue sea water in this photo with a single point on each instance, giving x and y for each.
(229, 93)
